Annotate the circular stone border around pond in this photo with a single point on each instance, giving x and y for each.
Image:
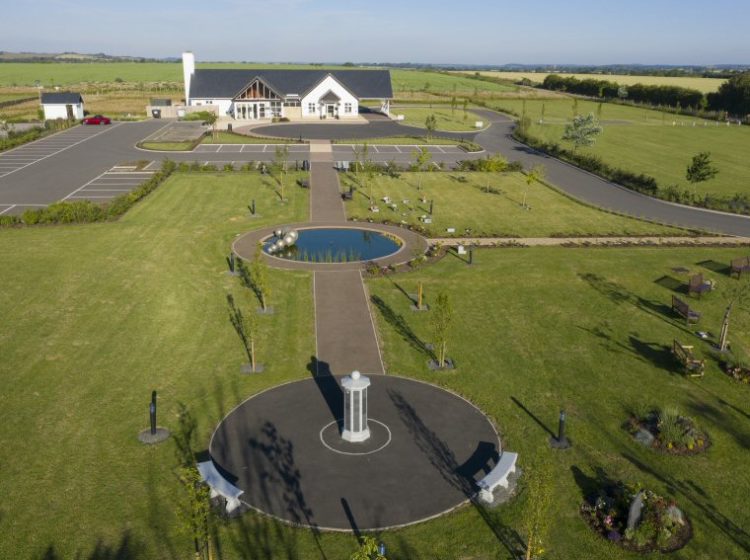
(428, 448)
(412, 244)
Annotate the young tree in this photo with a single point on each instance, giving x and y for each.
(599, 108)
(582, 131)
(280, 165)
(259, 277)
(466, 109)
(422, 158)
(536, 516)
(442, 316)
(575, 107)
(250, 330)
(430, 124)
(700, 169)
(368, 550)
(210, 120)
(736, 297)
(544, 108)
(454, 104)
(536, 173)
(196, 512)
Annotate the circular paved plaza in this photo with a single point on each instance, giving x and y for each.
(427, 448)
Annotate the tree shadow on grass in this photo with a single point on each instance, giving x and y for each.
(247, 279)
(699, 498)
(531, 415)
(460, 477)
(401, 326)
(720, 420)
(128, 548)
(238, 322)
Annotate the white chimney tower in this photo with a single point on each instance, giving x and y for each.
(188, 69)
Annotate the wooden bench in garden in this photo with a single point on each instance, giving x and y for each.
(498, 476)
(696, 285)
(738, 266)
(683, 310)
(684, 354)
(220, 486)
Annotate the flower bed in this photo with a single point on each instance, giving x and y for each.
(668, 431)
(739, 373)
(638, 520)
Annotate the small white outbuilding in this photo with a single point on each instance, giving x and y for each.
(62, 105)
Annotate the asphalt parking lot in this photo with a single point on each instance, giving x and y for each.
(110, 184)
(29, 154)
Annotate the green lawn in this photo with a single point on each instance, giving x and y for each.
(167, 146)
(231, 138)
(446, 118)
(647, 141)
(94, 318)
(586, 330)
(463, 205)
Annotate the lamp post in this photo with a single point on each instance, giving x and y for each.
(152, 412)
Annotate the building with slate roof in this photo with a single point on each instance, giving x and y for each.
(62, 105)
(261, 94)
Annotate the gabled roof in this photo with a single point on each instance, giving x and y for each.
(330, 97)
(61, 98)
(226, 83)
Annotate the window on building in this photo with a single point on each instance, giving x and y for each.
(347, 107)
(293, 103)
(311, 107)
(276, 108)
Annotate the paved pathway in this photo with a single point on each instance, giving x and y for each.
(345, 332)
(556, 241)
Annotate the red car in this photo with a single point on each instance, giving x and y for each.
(97, 119)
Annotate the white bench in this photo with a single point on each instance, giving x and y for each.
(220, 486)
(498, 476)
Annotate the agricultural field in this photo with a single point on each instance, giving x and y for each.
(486, 205)
(649, 141)
(705, 85)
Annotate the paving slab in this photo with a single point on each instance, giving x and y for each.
(345, 332)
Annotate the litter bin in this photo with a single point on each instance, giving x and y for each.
(156, 113)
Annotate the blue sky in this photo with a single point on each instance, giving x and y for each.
(467, 31)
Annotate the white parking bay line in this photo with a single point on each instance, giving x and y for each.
(66, 148)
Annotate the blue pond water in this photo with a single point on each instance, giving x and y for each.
(337, 245)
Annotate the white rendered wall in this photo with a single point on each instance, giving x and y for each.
(329, 84)
(60, 111)
(188, 69)
(222, 105)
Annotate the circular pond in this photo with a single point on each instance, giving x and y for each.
(336, 245)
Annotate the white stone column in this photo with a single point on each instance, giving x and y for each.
(355, 407)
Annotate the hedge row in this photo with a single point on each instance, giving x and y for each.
(18, 138)
(639, 182)
(85, 211)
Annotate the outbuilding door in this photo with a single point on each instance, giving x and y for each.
(69, 111)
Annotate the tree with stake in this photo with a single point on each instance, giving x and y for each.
(420, 295)
(196, 513)
(442, 316)
(430, 124)
(701, 169)
(466, 109)
(210, 120)
(454, 104)
(575, 107)
(736, 296)
(582, 131)
(536, 173)
(250, 329)
(281, 160)
(422, 158)
(544, 109)
(259, 277)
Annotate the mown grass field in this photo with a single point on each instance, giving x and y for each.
(705, 85)
(587, 331)
(97, 316)
(649, 141)
(446, 119)
(471, 211)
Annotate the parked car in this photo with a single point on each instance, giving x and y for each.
(97, 119)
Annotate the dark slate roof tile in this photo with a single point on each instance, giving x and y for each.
(61, 98)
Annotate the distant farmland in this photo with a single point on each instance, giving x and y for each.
(705, 85)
